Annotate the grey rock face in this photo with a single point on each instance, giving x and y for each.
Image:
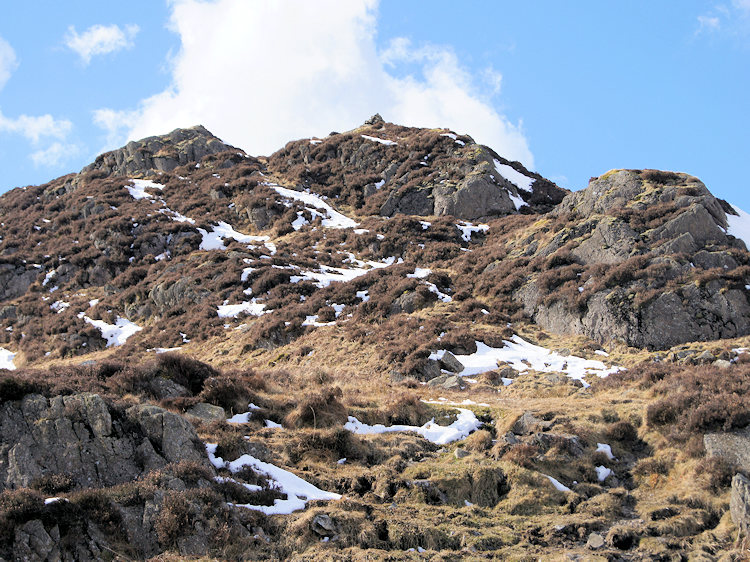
(15, 280)
(734, 446)
(739, 504)
(159, 154)
(170, 433)
(178, 293)
(611, 242)
(475, 197)
(81, 436)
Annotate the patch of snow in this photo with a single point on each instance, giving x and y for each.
(739, 226)
(59, 306)
(48, 277)
(515, 177)
(48, 501)
(93, 302)
(248, 307)
(386, 142)
(606, 449)
(341, 461)
(214, 240)
(313, 321)
(6, 359)
(363, 296)
(379, 184)
(315, 141)
(601, 352)
(273, 424)
(159, 350)
(115, 334)
(453, 136)
(315, 204)
(465, 423)
(138, 189)
(246, 273)
(522, 355)
(299, 222)
(240, 418)
(328, 274)
(467, 229)
(419, 273)
(518, 202)
(441, 296)
(360, 231)
(297, 490)
(556, 483)
(175, 216)
(602, 473)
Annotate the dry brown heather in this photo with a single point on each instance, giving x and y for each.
(481, 498)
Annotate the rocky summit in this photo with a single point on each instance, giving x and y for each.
(386, 343)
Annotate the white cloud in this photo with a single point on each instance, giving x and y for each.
(731, 19)
(116, 123)
(100, 40)
(8, 62)
(258, 74)
(708, 24)
(34, 128)
(54, 154)
(40, 128)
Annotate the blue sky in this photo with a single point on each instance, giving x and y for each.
(572, 89)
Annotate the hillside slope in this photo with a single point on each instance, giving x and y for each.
(206, 327)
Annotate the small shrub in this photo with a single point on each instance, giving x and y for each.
(52, 484)
(622, 431)
(21, 505)
(717, 471)
(653, 465)
(328, 445)
(319, 410)
(172, 519)
(479, 441)
(522, 454)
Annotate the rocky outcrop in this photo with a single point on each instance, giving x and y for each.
(414, 172)
(88, 440)
(674, 232)
(181, 292)
(158, 154)
(15, 280)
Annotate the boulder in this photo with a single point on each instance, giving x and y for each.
(323, 526)
(206, 412)
(449, 362)
(732, 446)
(595, 541)
(452, 383)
